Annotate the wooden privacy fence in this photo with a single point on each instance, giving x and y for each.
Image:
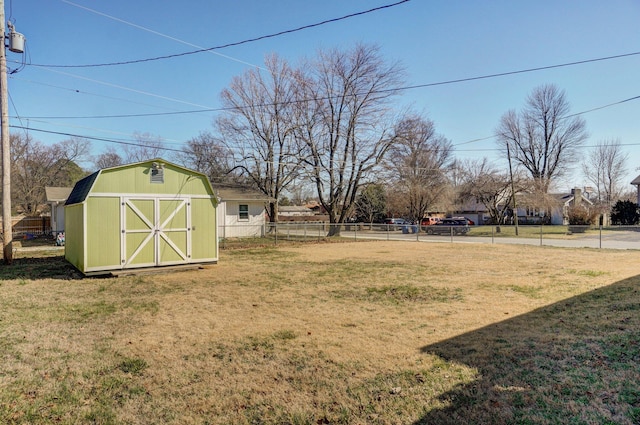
(25, 227)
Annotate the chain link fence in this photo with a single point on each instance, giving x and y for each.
(610, 237)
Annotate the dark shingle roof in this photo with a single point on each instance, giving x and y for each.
(81, 189)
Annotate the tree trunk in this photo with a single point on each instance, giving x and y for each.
(334, 229)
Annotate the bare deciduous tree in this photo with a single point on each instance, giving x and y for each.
(345, 123)
(542, 137)
(605, 167)
(109, 158)
(147, 147)
(35, 165)
(483, 183)
(208, 155)
(417, 164)
(258, 127)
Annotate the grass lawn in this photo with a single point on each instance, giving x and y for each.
(328, 333)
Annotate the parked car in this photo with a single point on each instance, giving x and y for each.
(448, 225)
(429, 221)
(468, 220)
(394, 223)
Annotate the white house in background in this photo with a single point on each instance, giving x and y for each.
(241, 212)
(576, 197)
(56, 197)
(636, 183)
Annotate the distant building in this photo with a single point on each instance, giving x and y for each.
(241, 212)
(56, 197)
(636, 183)
(560, 214)
(294, 211)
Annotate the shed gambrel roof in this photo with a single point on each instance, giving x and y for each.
(82, 189)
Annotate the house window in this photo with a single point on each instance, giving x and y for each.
(533, 212)
(243, 212)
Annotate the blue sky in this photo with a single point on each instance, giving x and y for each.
(436, 41)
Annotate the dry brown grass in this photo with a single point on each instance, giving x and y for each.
(373, 332)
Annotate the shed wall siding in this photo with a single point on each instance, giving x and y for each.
(103, 232)
(74, 244)
(204, 236)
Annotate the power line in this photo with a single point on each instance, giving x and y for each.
(602, 107)
(454, 144)
(88, 93)
(561, 118)
(142, 92)
(99, 130)
(158, 33)
(498, 149)
(522, 71)
(404, 88)
(100, 139)
(129, 143)
(223, 46)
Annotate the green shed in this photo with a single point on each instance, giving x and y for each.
(147, 214)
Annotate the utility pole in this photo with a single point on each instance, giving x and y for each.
(7, 227)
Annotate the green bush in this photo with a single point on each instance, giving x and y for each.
(625, 213)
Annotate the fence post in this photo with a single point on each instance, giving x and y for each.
(540, 234)
(600, 235)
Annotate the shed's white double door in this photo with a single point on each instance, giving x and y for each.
(155, 231)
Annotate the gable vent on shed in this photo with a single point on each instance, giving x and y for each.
(157, 173)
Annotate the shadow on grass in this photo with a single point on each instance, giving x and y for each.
(32, 268)
(575, 361)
